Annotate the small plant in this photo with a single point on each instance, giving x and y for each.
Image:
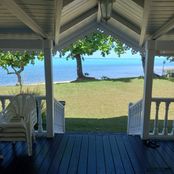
(169, 72)
(86, 74)
(104, 78)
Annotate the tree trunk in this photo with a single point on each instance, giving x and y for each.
(80, 74)
(19, 81)
(143, 58)
(143, 63)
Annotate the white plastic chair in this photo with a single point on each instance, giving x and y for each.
(17, 120)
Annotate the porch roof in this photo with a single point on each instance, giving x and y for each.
(64, 21)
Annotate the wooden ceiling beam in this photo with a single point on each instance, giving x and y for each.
(139, 2)
(17, 11)
(66, 2)
(99, 17)
(79, 19)
(58, 12)
(145, 20)
(125, 22)
(164, 29)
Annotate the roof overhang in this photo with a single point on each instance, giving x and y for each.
(25, 24)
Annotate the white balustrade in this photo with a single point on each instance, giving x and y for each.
(41, 129)
(135, 118)
(167, 132)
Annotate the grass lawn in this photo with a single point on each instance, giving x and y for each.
(100, 105)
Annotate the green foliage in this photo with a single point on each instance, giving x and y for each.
(171, 58)
(17, 60)
(93, 42)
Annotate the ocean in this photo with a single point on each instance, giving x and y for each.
(65, 70)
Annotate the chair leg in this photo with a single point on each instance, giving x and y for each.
(34, 137)
(1, 157)
(30, 148)
(29, 144)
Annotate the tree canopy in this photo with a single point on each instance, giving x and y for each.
(97, 41)
(15, 62)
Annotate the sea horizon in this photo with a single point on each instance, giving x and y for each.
(65, 70)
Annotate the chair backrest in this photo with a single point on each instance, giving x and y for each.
(21, 106)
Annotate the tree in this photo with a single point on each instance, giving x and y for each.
(15, 62)
(88, 45)
(170, 59)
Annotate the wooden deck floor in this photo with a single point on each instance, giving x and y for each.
(88, 154)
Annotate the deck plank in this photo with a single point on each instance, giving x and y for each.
(83, 158)
(63, 169)
(124, 156)
(91, 168)
(168, 156)
(132, 156)
(53, 168)
(49, 156)
(108, 156)
(84, 153)
(73, 166)
(116, 156)
(100, 155)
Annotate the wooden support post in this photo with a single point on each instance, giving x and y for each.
(148, 79)
(47, 47)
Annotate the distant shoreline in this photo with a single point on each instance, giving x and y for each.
(39, 83)
(65, 71)
(69, 81)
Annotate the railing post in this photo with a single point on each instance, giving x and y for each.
(129, 119)
(172, 132)
(155, 129)
(148, 79)
(165, 129)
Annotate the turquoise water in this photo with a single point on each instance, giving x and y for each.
(65, 70)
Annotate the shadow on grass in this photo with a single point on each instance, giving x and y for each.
(171, 79)
(161, 125)
(129, 79)
(115, 124)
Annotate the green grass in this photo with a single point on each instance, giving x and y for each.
(101, 105)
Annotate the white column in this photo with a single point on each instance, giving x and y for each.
(47, 47)
(148, 79)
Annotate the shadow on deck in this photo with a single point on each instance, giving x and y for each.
(89, 153)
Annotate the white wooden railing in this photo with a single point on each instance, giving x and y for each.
(41, 125)
(166, 131)
(59, 118)
(135, 119)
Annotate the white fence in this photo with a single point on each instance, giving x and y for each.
(59, 122)
(135, 119)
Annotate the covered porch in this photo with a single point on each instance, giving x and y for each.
(144, 25)
(138, 24)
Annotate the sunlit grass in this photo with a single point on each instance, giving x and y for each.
(101, 105)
